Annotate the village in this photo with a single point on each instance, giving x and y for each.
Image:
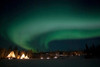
(15, 54)
(88, 52)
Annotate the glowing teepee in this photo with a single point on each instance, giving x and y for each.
(24, 57)
(11, 55)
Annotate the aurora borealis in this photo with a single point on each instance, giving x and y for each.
(34, 24)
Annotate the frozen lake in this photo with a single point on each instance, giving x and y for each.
(68, 62)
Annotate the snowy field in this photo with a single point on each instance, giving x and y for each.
(67, 62)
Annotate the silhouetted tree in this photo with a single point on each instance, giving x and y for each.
(92, 51)
(86, 49)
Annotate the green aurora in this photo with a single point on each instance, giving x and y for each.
(37, 25)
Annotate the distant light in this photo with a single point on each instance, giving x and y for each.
(78, 54)
(55, 57)
(57, 54)
(9, 58)
(48, 57)
(41, 58)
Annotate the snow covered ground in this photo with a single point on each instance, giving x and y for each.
(67, 62)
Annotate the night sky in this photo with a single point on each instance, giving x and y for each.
(49, 25)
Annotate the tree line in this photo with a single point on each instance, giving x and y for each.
(92, 51)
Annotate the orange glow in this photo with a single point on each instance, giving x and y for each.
(24, 57)
(11, 55)
(18, 57)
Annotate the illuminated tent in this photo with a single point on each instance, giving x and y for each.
(11, 55)
(24, 57)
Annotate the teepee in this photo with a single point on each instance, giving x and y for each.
(11, 55)
(24, 57)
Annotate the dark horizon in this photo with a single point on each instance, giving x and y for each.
(58, 45)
